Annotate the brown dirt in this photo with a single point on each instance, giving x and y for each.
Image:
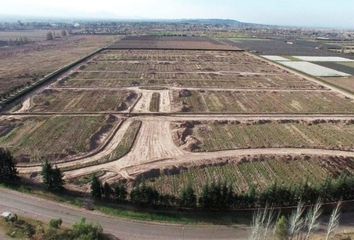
(25, 64)
(154, 150)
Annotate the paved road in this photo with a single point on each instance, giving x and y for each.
(33, 207)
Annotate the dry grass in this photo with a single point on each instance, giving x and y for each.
(28, 63)
(262, 102)
(82, 101)
(216, 136)
(343, 82)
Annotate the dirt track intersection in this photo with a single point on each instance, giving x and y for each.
(102, 117)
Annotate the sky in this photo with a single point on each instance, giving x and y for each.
(312, 13)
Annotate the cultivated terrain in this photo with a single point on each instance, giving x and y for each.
(180, 110)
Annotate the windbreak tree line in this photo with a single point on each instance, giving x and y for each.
(220, 196)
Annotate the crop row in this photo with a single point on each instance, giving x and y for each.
(54, 138)
(258, 174)
(155, 102)
(82, 101)
(216, 136)
(262, 102)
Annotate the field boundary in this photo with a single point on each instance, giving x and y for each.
(131, 109)
(174, 49)
(314, 78)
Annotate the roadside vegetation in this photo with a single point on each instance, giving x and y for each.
(8, 171)
(26, 228)
(221, 196)
(302, 223)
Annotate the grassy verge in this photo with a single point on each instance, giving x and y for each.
(23, 228)
(28, 228)
(155, 102)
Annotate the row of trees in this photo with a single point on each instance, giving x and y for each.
(98, 191)
(220, 196)
(212, 196)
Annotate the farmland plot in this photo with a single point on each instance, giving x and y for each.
(205, 80)
(82, 101)
(34, 139)
(342, 82)
(260, 102)
(182, 69)
(122, 148)
(260, 173)
(323, 59)
(216, 136)
(26, 64)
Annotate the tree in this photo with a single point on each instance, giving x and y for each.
(188, 197)
(144, 195)
(281, 229)
(46, 173)
(120, 192)
(8, 171)
(96, 188)
(57, 180)
(64, 33)
(52, 177)
(204, 200)
(107, 190)
(50, 36)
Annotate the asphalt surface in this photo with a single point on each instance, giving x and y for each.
(44, 210)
